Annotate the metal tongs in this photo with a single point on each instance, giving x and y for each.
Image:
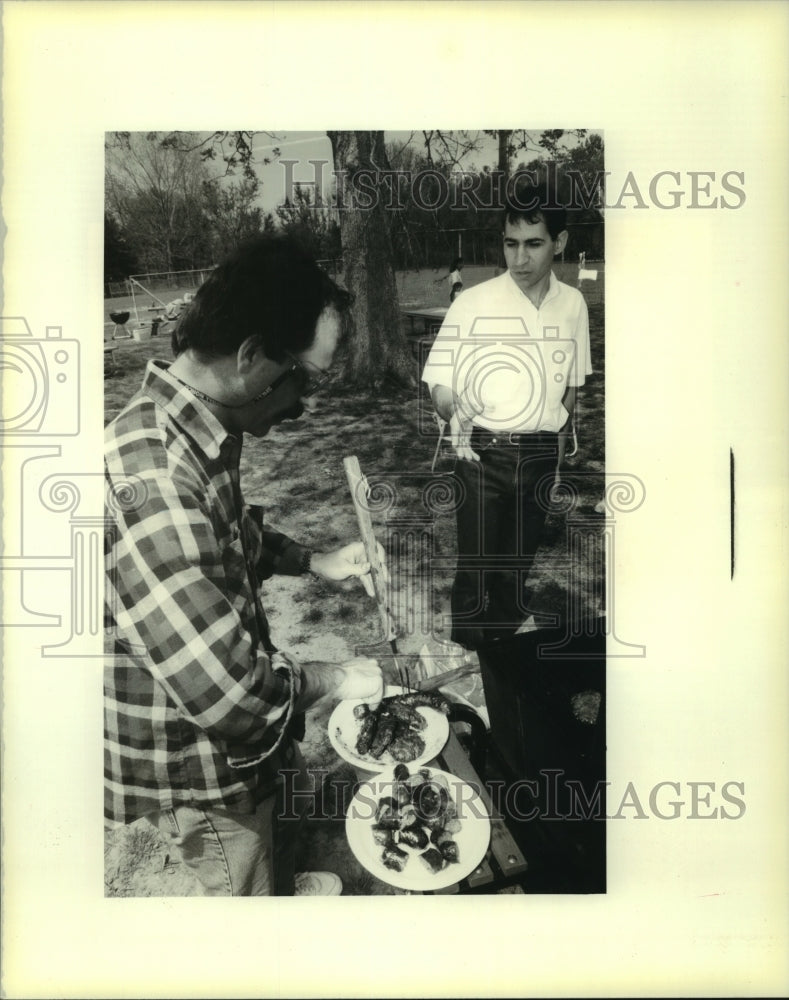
(360, 493)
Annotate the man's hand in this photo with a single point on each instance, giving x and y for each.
(360, 677)
(460, 427)
(555, 493)
(565, 434)
(461, 424)
(350, 560)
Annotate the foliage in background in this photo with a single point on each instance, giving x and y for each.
(120, 259)
(313, 222)
(148, 181)
(466, 220)
(154, 190)
(401, 206)
(232, 215)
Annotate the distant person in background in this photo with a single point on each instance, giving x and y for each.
(173, 314)
(582, 260)
(173, 310)
(455, 278)
(176, 308)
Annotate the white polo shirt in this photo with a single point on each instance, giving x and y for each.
(512, 359)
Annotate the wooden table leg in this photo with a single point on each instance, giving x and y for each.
(504, 851)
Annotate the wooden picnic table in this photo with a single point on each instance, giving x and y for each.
(504, 863)
(420, 340)
(432, 317)
(109, 357)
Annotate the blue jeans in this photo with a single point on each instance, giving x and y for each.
(237, 854)
(499, 526)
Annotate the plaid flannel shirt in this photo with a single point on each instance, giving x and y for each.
(199, 708)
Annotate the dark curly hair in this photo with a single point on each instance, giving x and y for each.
(532, 203)
(270, 287)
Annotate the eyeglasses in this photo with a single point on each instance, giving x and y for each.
(313, 381)
(314, 378)
(282, 377)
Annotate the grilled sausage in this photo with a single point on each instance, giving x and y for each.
(428, 699)
(366, 733)
(384, 734)
(408, 747)
(406, 713)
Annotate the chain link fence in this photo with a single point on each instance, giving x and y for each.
(158, 281)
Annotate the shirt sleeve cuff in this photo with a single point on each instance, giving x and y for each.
(292, 560)
(285, 666)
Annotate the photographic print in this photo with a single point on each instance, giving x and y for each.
(459, 425)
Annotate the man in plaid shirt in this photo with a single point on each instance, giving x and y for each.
(202, 713)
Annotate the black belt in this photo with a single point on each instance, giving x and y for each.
(515, 438)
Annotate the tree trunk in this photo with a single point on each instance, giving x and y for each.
(501, 180)
(378, 350)
(504, 153)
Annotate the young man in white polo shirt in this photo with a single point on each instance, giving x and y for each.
(503, 371)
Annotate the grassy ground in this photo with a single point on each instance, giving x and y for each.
(296, 472)
(426, 287)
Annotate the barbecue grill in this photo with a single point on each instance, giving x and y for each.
(545, 696)
(120, 319)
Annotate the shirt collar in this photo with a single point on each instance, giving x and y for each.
(188, 412)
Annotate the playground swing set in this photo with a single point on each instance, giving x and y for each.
(145, 327)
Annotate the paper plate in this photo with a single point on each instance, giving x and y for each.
(472, 838)
(344, 730)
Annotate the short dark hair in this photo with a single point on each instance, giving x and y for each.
(270, 287)
(529, 202)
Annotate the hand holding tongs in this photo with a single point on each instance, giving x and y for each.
(360, 491)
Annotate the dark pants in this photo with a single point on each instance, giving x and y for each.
(499, 526)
